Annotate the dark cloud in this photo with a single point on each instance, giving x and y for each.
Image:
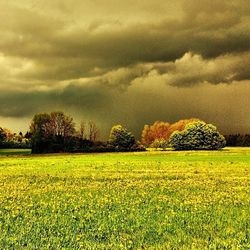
(111, 62)
(86, 98)
(61, 49)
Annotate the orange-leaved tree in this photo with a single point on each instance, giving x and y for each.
(181, 124)
(163, 130)
(159, 130)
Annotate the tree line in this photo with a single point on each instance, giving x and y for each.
(188, 134)
(56, 132)
(238, 140)
(9, 139)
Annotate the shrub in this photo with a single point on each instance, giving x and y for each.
(159, 143)
(137, 147)
(121, 139)
(197, 136)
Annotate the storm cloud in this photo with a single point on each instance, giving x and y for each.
(126, 62)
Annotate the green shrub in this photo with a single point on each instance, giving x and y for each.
(159, 143)
(121, 139)
(197, 136)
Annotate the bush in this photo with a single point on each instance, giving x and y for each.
(137, 147)
(159, 143)
(121, 139)
(197, 136)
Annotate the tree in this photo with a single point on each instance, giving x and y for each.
(82, 132)
(159, 143)
(163, 130)
(39, 132)
(93, 131)
(197, 136)
(181, 124)
(27, 135)
(51, 132)
(9, 135)
(12, 140)
(121, 139)
(60, 125)
(159, 130)
(238, 140)
(2, 134)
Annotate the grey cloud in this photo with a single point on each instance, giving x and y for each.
(88, 98)
(61, 50)
(189, 70)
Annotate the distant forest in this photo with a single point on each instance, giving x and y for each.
(238, 140)
(57, 132)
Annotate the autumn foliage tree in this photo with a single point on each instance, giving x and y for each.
(161, 131)
(181, 124)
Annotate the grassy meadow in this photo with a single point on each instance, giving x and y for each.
(146, 200)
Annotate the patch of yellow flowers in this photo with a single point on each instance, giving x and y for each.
(126, 201)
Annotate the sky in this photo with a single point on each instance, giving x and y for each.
(126, 62)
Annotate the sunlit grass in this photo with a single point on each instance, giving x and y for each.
(147, 200)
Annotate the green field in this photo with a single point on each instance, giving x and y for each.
(147, 200)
